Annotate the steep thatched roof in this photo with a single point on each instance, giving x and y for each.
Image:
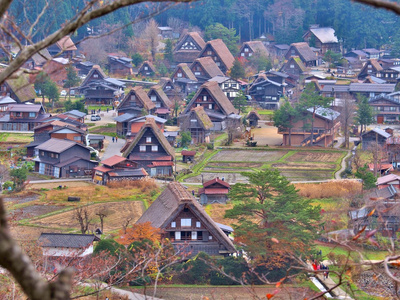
(141, 95)
(150, 124)
(171, 202)
(222, 52)
(22, 88)
(187, 72)
(209, 66)
(161, 95)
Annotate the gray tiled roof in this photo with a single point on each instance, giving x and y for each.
(372, 87)
(57, 145)
(66, 240)
(326, 113)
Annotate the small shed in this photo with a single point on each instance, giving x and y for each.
(374, 137)
(214, 191)
(253, 117)
(188, 156)
(96, 140)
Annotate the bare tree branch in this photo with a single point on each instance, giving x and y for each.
(392, 6)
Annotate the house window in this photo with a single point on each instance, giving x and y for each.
(369, 67)
(17, 114)
(95, 76)
(242, 54)
(210, 106)
(154, 148)
(246, 49)
(148, 139)
(226, 85)
(133, 97)
(186, 222)
(392, 108)
(293, 52)
(199, 235)
(292, 66)
(198, 224)
(158, 104)
(197, 104)
(234, 85)
(146, 68)
(186, 235)
(204, 98)
(177, 235)
(250, 54)
(210, 237)
(173, 224)
(77, 138)
(209, 52)
(32, 115)
(218, 63)
(197, 73)
(41, 153)
(153, 98)
(179, 75)
(194, 235)
(142, 148)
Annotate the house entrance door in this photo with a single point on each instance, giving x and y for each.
(379, 119)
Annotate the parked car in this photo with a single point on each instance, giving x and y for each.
(63, 93)
(95, 118)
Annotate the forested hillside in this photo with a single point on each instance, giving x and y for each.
(357, 25)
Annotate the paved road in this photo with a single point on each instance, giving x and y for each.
(61, 180)
(113, 148)
(106, 118)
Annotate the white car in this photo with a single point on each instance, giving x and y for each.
(63, 93)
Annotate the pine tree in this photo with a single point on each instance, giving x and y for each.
(365, 113)
(285, 117)
(237, 70)
(168, 55)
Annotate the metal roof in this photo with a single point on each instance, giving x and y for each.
(372, 87)
(326, 113)
(66, 240)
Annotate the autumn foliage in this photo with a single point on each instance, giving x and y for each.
(332, 189)
(139, 233)
(145, 184)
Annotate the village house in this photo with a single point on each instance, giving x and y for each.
(216, 105)
(205, 68)
(18, 89)
(229, 86)
(161, 101)
(220, 54)
(188, 156)
(65, 47)
(370, 89)
(188, 48)
(63, 158)
(384, 69)
(266, 92)
(184, 79)
(253, 117)
(5, 101)
(388, 180)
(151, 150)
(119, 65)
(387, 109)
(374, 137)
(197, 122)
(67, 244)
(99, 89)
(304, 52)
(294, 66)
(323, 38)
(37, 61)
(214, 191)
(171, 90)
(356, 58)
(372, 53)
(185, 222)
(279, 50)
(66, 119)
(165, 32)
(22, 117)
(117, 168)
(95, 140)
(248, 49)
(84, 67)
(147, 69)
(135, 104)
(326, 125)
(76, 114)
(393, 149)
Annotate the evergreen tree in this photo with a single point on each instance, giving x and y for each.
(240, 101)
(137, 59)
(365, 113)
(273, 219)
(50, 91)
(72, 79)
(285, 117)
(228, 36)
(186, 139)
(237, 70)
(168, 55)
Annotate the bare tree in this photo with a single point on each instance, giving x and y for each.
(347, 118)
(102, 213)
(82, 215)
(126, 223)
(151, 38)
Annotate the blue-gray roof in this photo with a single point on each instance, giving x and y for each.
(114, 81)
(380, 132)
(77, 113)
(359, 213)
(124, 118)
(66, 240)
(372, 87)
(325, 113)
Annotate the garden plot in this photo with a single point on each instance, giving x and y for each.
(118, 212)
(34, 211)
(241, 165)
(306, 175)
(229, 177)
(247, 156)
(314, 156)
(305, 166)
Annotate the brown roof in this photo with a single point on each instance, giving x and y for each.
(141, 96)
(187, 71)
(188, 153)
(150, 64)
(25, 108)
(202, 117)
(66, 44)
(216, 180)
(296, 60)
(150, 123)
(94, 68)
(254, 113)
(215, 91)
(195, 36)
(58, 145)
(222, 51)
(22, 88)
(53, 123)
(159, 91)
(374, 63)
(171, 202)
(113, 160)
(255, 46)
(209, 66)
(305, 51)
(41, 57)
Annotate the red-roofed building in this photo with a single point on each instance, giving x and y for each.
(214, 191)
(188, 156)
(117, 168)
